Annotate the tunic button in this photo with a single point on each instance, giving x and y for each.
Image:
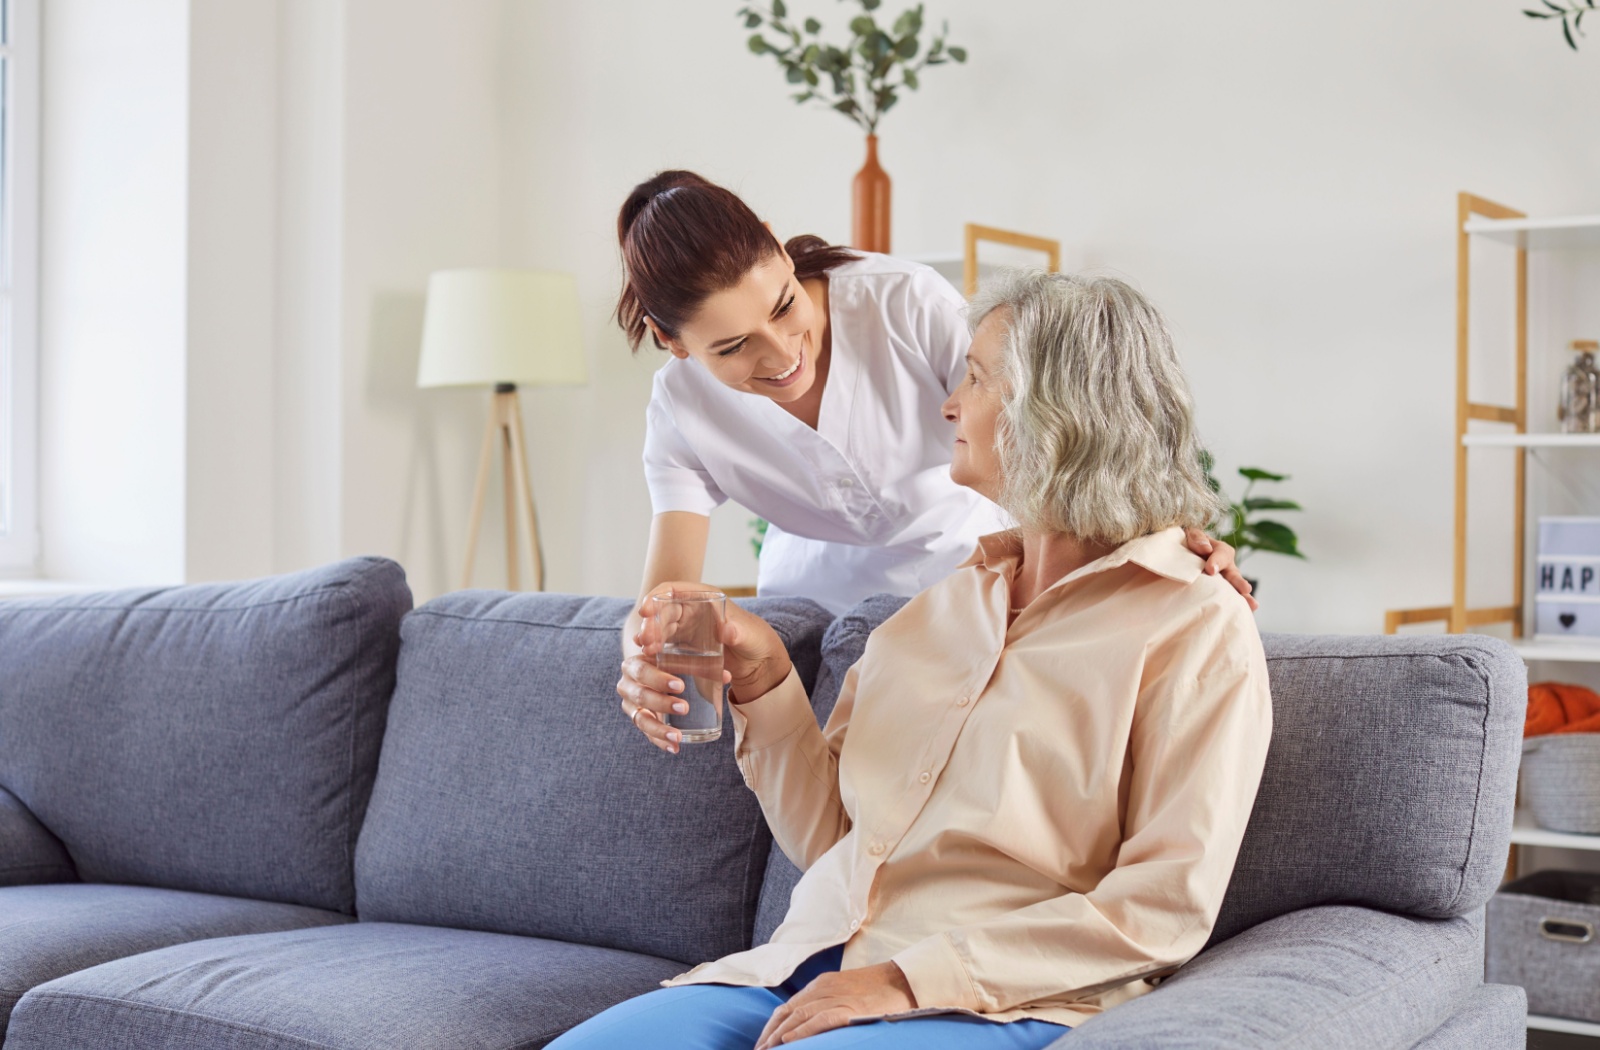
(925, 777)
(875, 849)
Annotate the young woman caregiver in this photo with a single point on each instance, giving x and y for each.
(805, 384)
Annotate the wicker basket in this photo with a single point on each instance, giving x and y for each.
(1561, 781)
(1541, 935)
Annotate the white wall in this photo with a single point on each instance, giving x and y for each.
(112, 290)
(231, 298)
(1280, 180)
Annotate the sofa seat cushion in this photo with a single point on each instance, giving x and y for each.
(513, 796)
(359, 986)
(49, 931)
(219, 738)
(1337, 978)
(29, 853)
(1494, 1015)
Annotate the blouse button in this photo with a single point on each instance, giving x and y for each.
(964, 701)
(925, 777)
(845, 483)
(855, 924)
(875, 849)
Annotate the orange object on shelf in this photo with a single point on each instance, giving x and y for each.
(1555, 707)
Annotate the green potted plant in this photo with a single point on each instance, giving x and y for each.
(863, 78)
(1240, 525)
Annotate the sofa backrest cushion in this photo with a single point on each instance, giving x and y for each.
(513, 796)
(220, 738)
(842, 646)
(1390, 781)
(28, 853)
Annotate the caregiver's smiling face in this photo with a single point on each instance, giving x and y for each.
(757, 335)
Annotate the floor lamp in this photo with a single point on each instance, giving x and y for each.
(501, 328)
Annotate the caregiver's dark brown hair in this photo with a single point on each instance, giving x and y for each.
(684, 238)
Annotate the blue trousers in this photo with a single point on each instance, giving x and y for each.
(724, 1017)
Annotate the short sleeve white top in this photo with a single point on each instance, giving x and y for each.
(864, 503)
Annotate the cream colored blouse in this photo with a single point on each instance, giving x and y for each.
(1029, 820)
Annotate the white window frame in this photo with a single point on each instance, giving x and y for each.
(19, 302)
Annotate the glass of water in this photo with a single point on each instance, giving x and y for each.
(690, 631)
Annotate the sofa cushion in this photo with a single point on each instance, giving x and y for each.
(360, 986)
(1336, 978)
(514, 797)
(842, 646)
(1390, 780)
(218, 738)
(29, 853)
(1494, 1015)
(49, 931)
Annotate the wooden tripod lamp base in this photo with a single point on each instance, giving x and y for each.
(505, 429)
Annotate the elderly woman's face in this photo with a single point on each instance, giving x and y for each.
(975, 407)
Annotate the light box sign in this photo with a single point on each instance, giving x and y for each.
(1567, 598)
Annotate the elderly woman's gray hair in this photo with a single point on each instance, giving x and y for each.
(1096, 437)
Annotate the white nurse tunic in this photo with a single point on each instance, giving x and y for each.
(864, 503)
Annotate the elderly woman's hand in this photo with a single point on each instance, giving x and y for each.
(754, 661)
(833, 1000)
(1219, 559)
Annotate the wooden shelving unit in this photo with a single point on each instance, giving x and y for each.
(1476, 216)
(1479, 218)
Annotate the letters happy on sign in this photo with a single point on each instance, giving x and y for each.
(1567, 579)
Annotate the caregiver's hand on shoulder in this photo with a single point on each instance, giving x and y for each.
(834, 999)
(754, 661)
(1219, 559)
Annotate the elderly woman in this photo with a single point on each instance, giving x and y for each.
(1029, 798)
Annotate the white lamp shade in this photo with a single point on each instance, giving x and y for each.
(501, 326)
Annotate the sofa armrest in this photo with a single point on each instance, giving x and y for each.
(1333, 977)
(29, 854)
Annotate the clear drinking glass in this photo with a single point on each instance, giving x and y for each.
(690, 626)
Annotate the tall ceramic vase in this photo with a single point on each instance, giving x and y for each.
(870, 204)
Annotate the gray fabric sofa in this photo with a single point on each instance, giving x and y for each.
(176, 829)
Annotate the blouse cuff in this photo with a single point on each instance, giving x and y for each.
(937, 976)
(772, 716)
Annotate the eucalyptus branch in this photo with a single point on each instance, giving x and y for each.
(864, 78)
(1570, 12)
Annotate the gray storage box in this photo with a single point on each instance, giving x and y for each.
(1542, 935)
(1561, 781)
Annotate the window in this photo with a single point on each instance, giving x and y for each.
(19, 235)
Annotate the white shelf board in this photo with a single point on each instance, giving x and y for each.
(1570, 231)
(1533, 440)
(1525, 832)
(1559, 651)
(1563, 1024)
